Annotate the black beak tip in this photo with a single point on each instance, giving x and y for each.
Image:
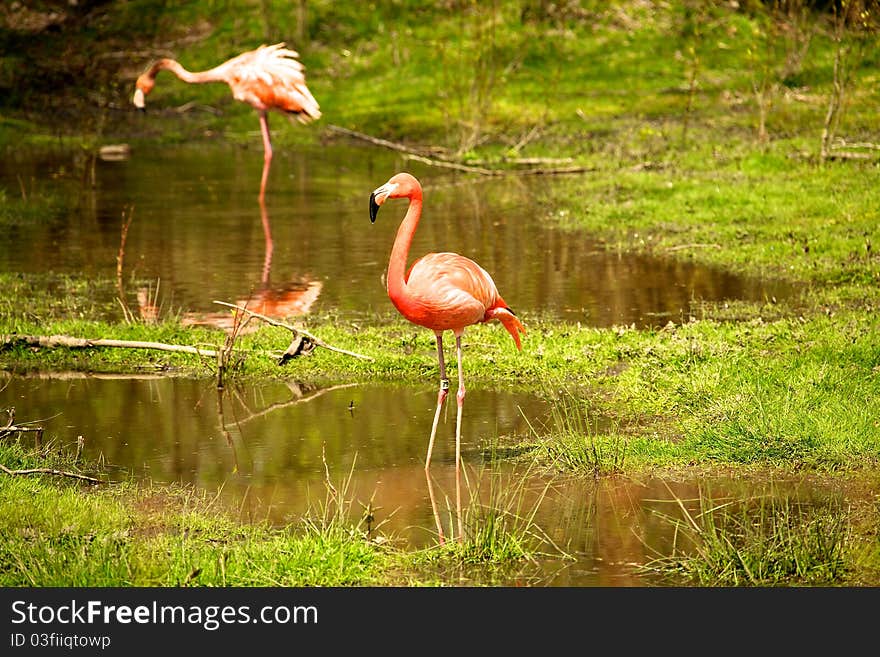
(142, 110)
(374, 208)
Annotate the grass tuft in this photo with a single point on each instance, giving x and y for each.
(767, 541)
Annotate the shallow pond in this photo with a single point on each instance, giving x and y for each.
(267, 451)
(198, 234)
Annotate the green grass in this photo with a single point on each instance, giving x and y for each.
(770, 541)
(793, 392)
(759, 213)
(119, 534)
(576, 440)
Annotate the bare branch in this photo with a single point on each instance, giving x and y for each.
(419, 156)
(295, 331)
(51, 471)
(54, 341)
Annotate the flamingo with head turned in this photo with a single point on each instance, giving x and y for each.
(441, 291)
(268, 78)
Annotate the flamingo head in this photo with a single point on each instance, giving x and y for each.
(401, 185)
(143, 86)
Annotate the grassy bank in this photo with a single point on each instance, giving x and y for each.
(119, 534)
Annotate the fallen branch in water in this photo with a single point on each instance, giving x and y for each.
(298, 345)
(54, 341)
(51, 471)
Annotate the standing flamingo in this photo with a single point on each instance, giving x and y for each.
(441, 291)
(268, 78)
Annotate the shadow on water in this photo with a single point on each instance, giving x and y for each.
(199, 234)
(269, 452)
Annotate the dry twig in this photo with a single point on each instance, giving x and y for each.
(297, 332)
(53, 341)
(51, 471)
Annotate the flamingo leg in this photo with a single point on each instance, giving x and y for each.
(441, 397)
(458, 505)
(267, 151)
(460, 398)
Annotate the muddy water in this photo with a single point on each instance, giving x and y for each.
(198, 234)
(267, 452)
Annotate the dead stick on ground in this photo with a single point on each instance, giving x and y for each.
(453, 165)
(421, 157)
(50, 471)
(374, 140)
(679, 247)
(295, 331)
(413, 154)
(53, 341)
(16, 429)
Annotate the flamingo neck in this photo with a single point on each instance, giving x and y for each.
(400, 251)
(190, 77)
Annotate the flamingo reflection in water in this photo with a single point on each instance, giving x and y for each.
(291, 299)
(436, 512)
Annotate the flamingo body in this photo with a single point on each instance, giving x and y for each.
(268, 78)
(440, 291)
(447, 291)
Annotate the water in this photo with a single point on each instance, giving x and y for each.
(268, 451)
(198, 234)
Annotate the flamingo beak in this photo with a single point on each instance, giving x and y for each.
(374, 208)
(378, 197)
(138, 100)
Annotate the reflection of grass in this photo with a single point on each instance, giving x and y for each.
(774, 541)
(29, 208)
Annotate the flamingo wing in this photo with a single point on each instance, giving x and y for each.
(271, 77)
(447, 291)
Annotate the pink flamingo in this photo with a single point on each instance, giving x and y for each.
(441, 291)
(268, 78)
